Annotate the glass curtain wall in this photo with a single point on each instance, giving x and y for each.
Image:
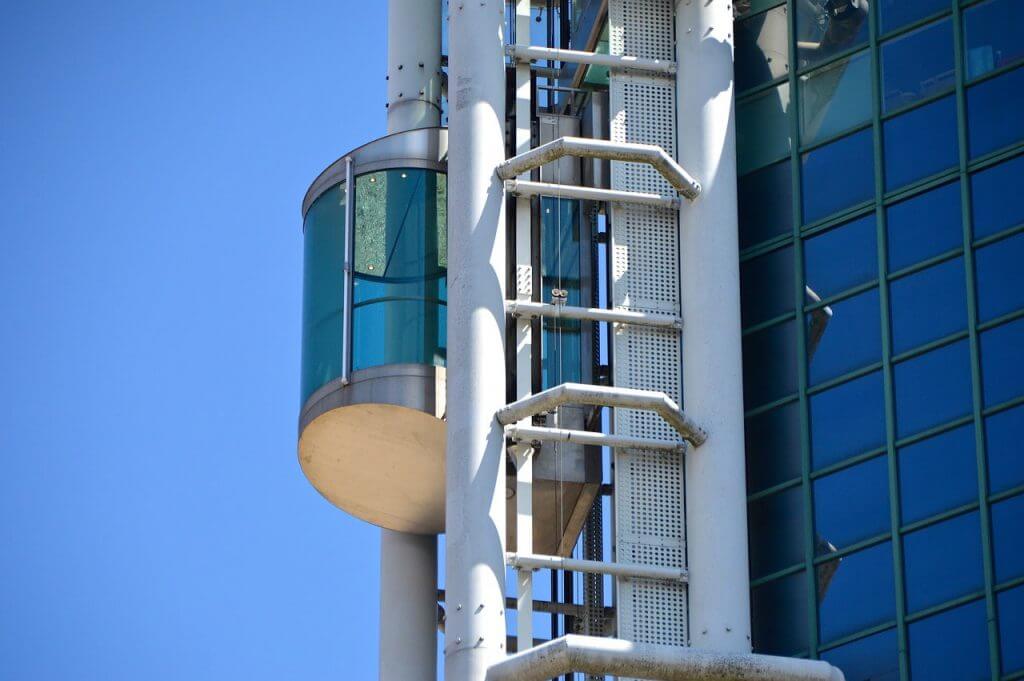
(883, 313)
(560, 269)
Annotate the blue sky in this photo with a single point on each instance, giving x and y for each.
(154, 522)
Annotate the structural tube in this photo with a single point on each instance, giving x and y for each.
(716, 500)
(414, 64)
(475, 462)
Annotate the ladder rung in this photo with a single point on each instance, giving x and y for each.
(586, 437)
(532, 561)
(527, 308)
(528, 52)
(531, 188)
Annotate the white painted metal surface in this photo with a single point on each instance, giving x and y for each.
(475, 462)
(527, 188)
(414, 64)
(408, 606)
(716, 519)
(521, 308)
(615, 61)
(534, 434)
(532, 561)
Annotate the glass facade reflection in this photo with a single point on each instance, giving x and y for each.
(884, 464)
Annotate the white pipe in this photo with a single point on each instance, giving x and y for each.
(604, 149)
(530, 188)
(414, 64)
(525, 308)
(605, 656)
(605, 396)
(525, 53)
(475, 460)
(585, 437)
(532, 561)
(408, 606)
(716, 499)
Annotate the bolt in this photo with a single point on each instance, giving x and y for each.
(399, 67)
(458, 640)
(459, 606)
(421, 65)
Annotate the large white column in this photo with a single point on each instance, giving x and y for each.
(414, 64)
(716, 503)
(408, 606)
(475, 474)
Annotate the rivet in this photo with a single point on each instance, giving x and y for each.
(399, 67)
(459, 606)
(458, 640)
(421, 65)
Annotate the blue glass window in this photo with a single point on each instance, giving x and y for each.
(873, 658)
(765, 204)
(951, 646)
(1003, 434)
(853, 504)
(836, 97)
(1002, 362)
(1007, 521)
(842, 257)
(896, 13)
(1000, 277)
(847, 420)
(769, 364)
(852, 339)
(860, 593)
(773, 447)
(917, 64)
(995, 203)
(779, 615)
(943, 562)
(920, 143)
(762, 48)
(925, 226)
(991, 112)
(837, 176)
(821, 33)
(762, 129)
(1011, 628)
(776, 532)
(928, 305)
(766, 286)
(992, 35)
(932, 389)
(938, 474)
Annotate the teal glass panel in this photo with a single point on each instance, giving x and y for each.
(400, 256)
(992, 35)
(762, 129)
(827, 27)
(835, 98)
(762, 48)
(322, 294)
(560, 269)
(917, 65)
(779, 615)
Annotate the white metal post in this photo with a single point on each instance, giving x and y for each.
(475, 464)
(408, 562)
(716, 502)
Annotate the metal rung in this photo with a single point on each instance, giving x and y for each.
(586, 437)
(529, 52)
(530, 188)
(532, 561)
(526, 308)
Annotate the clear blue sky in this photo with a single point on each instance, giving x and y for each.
(154, 522)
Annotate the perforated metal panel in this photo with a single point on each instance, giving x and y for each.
(649, 486)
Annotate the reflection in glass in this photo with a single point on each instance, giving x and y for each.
(837, 176)
(766, 286)
(852, 340)
(827, 27)
(1011, 628)
(1000, 277)
(990, 106)
(1003, 434)
(1007, 521)
(932, 389)
(994, 202)
(769, 364)
(762, 48)
(560, 268)
(847, 420)
(765, 204)
(842, 257)
(874, 658)
(853, 504)
(917, 64)
(938, 474)
(776, 526)
(951, 646)
(835, 97)
(924, 226)
(943, 561)
(992, 35)
(928, 305)
(773, 447)
(779, 615)
(920, 143)
(861, 593)
(896, 13)
(1002, 362)
(762, 129)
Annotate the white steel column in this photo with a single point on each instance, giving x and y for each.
(408, 562)
(716, 504)
(408, 606)
(475, 464)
